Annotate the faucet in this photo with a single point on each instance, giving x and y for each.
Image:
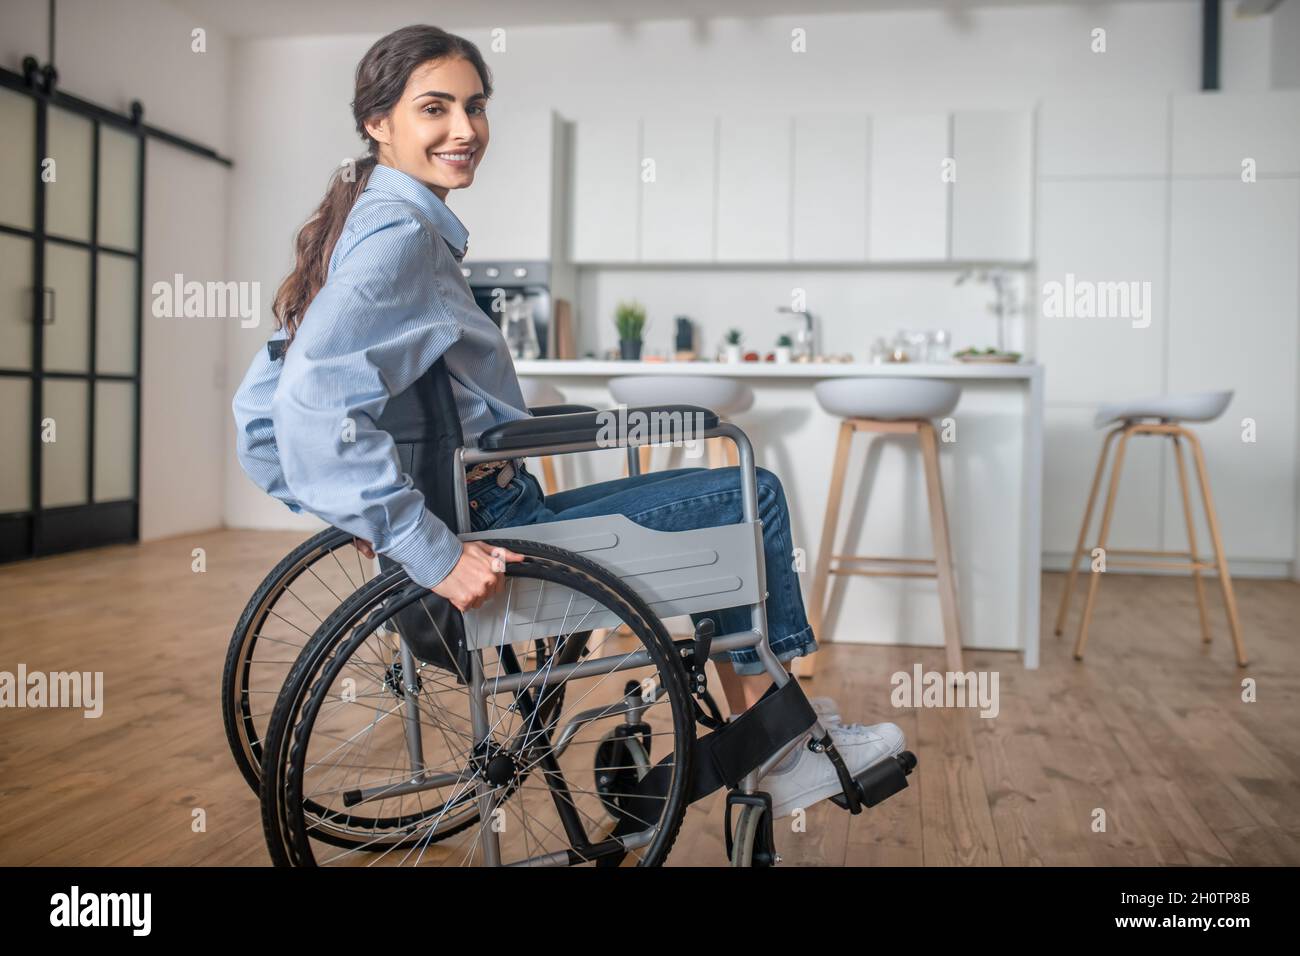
(804, 343)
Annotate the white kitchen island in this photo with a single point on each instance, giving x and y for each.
(992, 473)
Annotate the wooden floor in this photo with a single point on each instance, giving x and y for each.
(1151, 729)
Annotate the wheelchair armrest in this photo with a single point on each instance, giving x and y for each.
(582, 427)
(543, 410)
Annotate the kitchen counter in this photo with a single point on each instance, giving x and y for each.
(816, 370)
(992, 465)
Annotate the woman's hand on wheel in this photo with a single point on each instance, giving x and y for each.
(476, 576)
(364, 546)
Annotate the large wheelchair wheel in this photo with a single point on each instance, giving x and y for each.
(286, 609)
(412, 772)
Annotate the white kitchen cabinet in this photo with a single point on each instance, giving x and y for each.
(677, 204)
(1093, 234)
(1213, 133)
(606, 190)
(1071, 446)
(831, 172)
(754, 188)
(992, 197)
(1123, 136)
(511, 209)
(909, 200)
(1234, 312)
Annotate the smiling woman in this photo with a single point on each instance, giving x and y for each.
(375, 298)
(439, 130)
(421, 106)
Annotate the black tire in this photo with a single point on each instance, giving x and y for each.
(287, 817)
(340, 830)
(244, 725)
(746, 836)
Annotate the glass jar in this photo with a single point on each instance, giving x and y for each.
(939, 348)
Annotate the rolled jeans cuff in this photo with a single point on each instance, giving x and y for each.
(745, 660)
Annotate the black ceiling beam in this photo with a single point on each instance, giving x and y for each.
(1211, 44)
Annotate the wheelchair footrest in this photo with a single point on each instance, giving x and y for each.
(725, 756)
(880, 781)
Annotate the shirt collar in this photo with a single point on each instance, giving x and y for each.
(452, 230)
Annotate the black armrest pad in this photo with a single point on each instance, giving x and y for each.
(559, 409)
(588, 426)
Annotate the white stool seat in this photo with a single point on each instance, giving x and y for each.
(1187, 407)
(538, 392)
(725, 396)
(888, 399)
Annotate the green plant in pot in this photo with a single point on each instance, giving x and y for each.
(732, 351)
(783, 346)
(630, 319)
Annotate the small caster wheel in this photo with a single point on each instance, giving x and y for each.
(622, 759)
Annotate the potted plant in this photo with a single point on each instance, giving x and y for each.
(732, 351)
(630, 319)
(783, 344)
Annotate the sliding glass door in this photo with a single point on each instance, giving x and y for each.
(71, 204)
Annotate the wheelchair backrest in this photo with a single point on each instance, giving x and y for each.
(425, 425)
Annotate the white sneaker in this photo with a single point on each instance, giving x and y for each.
(809, 777)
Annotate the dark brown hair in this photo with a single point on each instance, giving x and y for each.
(381, 78)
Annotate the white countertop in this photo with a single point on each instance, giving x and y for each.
(992, 478)
(606, 369)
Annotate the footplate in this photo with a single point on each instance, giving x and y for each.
(878, 782)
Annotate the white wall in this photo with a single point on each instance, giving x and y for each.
(1285, 57)
(114, 51)
(185, 413)
(1246, 50)
(292, 125)
(111, 52)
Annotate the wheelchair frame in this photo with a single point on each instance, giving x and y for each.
(744, 768)
(756, 637)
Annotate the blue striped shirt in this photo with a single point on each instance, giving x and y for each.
(394, 301)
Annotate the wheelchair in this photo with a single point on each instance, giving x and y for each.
(554, 725)
(289, 604)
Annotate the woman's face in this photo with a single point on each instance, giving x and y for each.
(438, 131)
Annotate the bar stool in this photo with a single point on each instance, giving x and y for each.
(898, 406)
(725, 396)
(539, 392)
(1168, 411)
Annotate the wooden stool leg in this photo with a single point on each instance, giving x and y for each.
(732, 453)
(1094, 578)
(942, 547)
(1191, 538)
(645, 454)
(717, 457)
(548, 474)
(821, 571)
(1225, 579)
(1083, 534)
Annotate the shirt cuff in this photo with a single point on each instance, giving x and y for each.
(428, 551)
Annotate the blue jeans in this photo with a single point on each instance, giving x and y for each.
(681, 499)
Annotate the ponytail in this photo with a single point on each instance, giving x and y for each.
(380, 80)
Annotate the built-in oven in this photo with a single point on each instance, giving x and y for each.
(517, 296)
